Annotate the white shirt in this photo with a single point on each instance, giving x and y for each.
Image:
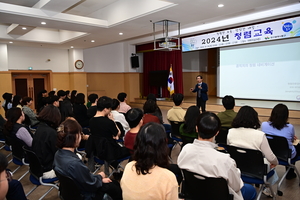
(119, 117)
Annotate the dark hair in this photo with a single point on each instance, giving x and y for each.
(247, 117)
(67, 133)
(51, 93)
(52, 99)
(208, 125)
(40, 94)
(3, 162)
(12, 116)
(199, 76)
(190, 119)
(61, 93)
(151, 96)
(115, 104)
(7, 97)
(93, 97)
(122, 96)
(16, 100)
(67, 92)
(73, 95)
(228, 102)
(279, 116)
(133, 117)
(50, 115)
(149, 106)
(177, 99)
(79, 99)
(150, 148)
(104, 102)
(26, 100)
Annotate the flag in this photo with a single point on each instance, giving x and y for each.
(171, 82)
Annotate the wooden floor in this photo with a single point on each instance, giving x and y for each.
(290, 188)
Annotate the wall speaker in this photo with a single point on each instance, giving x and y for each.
(135, 62)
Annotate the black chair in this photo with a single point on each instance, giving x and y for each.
(221, 138)
(36, 173)
(175, 135)
(252, 166)
(280, 148)
(19, 159)
(199, 187)
(68, 190)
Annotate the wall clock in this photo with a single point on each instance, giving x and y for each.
(79, 64)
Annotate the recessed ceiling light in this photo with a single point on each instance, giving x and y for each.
(92, 40)
(43, 23)
(120, 33)
(72, 47)
(24, 28)
(221, 5)
(10, 42)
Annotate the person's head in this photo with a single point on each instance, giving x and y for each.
(150, 148)
(16, 100)
(13, 115)
(104, 104)
(228, 102)
(122, 96)
(134, 117)
(115, 104)
(199, 79)
(177, 99)
(42, 93)
(279, 116)
(247, 117)
(190, 119)
(51, 115)
(26, 101)
(69, 134)
(67, 93)
(73, 93)
(4, 184)
(51, 93)
(54, 100)
(61, 94)
(80, 98)
(93, 97)
(149, 106)
(7, 97)
(151, 96)
(208, 125)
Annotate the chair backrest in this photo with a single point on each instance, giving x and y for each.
(222, 136)
(27, 120)
(175, 128)
(68, 188)
(280, 147)
(249, 161)
(200, 187)
(35, 166)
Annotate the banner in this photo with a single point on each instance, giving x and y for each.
(171, 82)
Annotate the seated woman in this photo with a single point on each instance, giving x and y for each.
(27, 102)
(17, 101)
(67, 163)
(44, 139)
(278, 125)
(147, 176)
(187, 130)
(244, 134)
(149, 112)
(80, 110)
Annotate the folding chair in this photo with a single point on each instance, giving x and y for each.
(199, 187)
(221, 138)
(175, 135)
(280, 148)
(18, 155)
(36, 173)
(252, 166)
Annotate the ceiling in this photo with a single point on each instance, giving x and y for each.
(77, 22)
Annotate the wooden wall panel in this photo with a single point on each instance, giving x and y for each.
(5, 86)
(61, 81)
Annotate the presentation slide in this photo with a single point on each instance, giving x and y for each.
(267, 70)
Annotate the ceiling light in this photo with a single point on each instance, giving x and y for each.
(120, 33)
(92, 40)
(43, 23)
(221, 5)
(71, 47)
(24, 28)
(10, 42)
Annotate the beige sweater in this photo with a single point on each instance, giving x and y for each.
(159, 184)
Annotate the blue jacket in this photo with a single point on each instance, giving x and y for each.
(204, 90)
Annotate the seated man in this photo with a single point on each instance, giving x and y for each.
(93, 98)
(124, 107)
(176, 113)
(119, 117)
(202, 157)
(229, 114)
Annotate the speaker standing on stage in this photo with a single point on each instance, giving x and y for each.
(201, 90)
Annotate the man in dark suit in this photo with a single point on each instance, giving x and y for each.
(201, 89)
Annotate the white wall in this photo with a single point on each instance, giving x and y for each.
(194, 61)
(3, 58)
(20, 58)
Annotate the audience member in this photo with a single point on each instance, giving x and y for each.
(73, 95)
(134, 118)
(124, 107)
(65, 105)
(44, 139)
(27, 102)
(119, 117)
(54, 100)
(40, 100)
(17, 101)
(8, 101)
(187, 130)
(147, 176)
(92, 110)
(278, 125)
(202, 157)
(157, 112)
(51, 93)
(244, 134)
(226, 117)
(67, 163)
(68, 95)
(176, 113)
(149, 111)
(80, 110)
